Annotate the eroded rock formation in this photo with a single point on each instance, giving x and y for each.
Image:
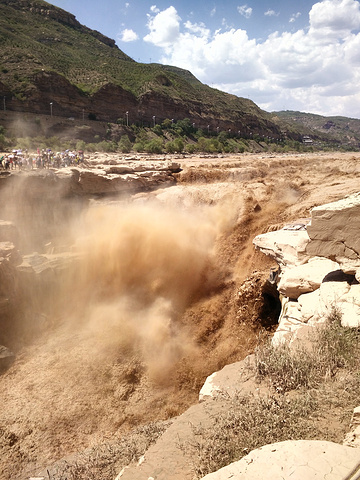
(319, 266)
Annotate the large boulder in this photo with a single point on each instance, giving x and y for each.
(334, 232)
(234, 379)
(295, 281)
(287, 246)
(315, 307)
(293, 460)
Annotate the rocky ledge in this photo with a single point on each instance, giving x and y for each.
(319, 267)
(98, 176)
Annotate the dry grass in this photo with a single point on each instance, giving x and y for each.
(333, 347)
(312, 397)
(247, 423)
(105, 461)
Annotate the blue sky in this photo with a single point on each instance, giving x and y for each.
(282, 54)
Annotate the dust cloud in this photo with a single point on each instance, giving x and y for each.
(140, 266)
(111, 324)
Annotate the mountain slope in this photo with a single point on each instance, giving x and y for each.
(336, 129)
(49, 57)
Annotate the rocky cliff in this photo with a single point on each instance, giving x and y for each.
(47, 10)
(319, 267)
(53, 64)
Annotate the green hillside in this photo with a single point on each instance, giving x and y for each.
(37, 37)
(48, 56)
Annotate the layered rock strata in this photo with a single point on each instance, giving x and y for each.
(311, 280)
(319, 267)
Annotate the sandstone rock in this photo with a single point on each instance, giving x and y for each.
(352, 439)
(40, 264)
(310, 305)
(315, 307)
(308, 270)
(350, 314)
(292, 460)
(120, 169)
(118, 179)
(331, 292)
(334, 232)
(300, 279)
(289, 321)
(233, 379)
(287, 247)
(303, 337)
(353, 295)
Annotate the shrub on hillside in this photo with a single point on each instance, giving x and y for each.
(124, 144)
(176, 146)
(154, 146)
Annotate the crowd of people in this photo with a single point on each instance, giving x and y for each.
(45, 158)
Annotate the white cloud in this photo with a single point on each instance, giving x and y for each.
(294, 16)
(245, 11)
(271, 13)
(198, 28)
(154, 9)
(213, 11)
(164, 27)
(315, 69)
(128, 35)
(334, 18)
